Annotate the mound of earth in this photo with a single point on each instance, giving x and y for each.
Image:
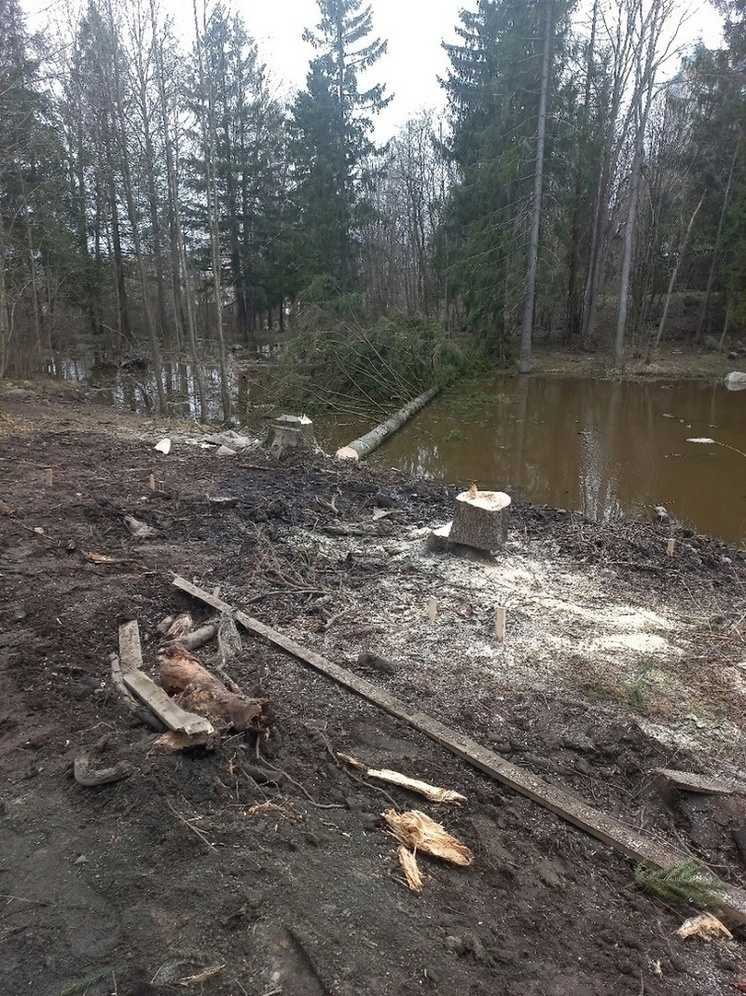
(264, 866)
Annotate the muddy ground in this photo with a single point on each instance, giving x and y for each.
(618, 660)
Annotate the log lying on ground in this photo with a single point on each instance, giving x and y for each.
(361, 447)
(195, 689)
(628, 840)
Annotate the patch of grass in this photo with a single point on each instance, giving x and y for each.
(688, 883)
(79, 987)
(454, 436)
(639, 686)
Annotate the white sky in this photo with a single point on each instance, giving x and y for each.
(414, 29)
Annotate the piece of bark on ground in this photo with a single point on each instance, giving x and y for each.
(194, 640)
(195, 689)
(431, 792)
(417, 830)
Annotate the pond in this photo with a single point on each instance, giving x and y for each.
(603, 448)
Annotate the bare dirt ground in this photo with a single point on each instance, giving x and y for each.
(618, 660)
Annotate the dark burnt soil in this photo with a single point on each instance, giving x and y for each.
(293, 888)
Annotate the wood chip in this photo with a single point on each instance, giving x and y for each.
(99, 558)
(181, 625)
(706, 927)
(408, 861)
(430, 792)
(176, 740)
(417, 830)
(689, 781)
(138, 529)
(197, 980)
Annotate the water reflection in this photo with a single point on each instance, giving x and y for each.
(604, 449)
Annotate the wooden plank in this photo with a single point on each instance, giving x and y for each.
(174, 717)
(688, 781)
(633, 843)
(130, 653)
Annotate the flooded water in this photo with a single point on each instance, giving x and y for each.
(601, 448)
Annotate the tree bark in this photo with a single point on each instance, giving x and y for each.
(365, 445)
(527, 323)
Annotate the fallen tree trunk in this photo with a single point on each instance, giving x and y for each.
(198, 691)
(628, 840)
(365, 445)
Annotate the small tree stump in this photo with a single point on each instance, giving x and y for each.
(290, 432)
(480, 519)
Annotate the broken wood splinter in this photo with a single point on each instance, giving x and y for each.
(417, 830)
(430, 792)
(628, 840)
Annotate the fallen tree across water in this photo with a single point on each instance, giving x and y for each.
(364, 445)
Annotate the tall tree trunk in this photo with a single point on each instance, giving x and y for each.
(672, 281)
(527, 324)
(4, 311)
(718, 237)
(134, 221)
(182, 275)
(213, 207)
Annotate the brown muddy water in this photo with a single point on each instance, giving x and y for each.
(605, 449)
(601, 448)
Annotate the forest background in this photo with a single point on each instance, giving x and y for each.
(156, 191)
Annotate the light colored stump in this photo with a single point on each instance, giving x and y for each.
(291, 432)
(480, 519)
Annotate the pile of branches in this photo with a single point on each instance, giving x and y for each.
(352, 368)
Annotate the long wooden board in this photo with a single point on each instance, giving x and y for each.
(633, 843)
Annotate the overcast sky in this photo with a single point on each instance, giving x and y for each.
(414, 29)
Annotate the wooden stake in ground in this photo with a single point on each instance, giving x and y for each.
(48, 477)
(628, 840)
(432, 609)
(670, 547)
(501, 617)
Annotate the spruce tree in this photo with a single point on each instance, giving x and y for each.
(332, 148)
(498, 72)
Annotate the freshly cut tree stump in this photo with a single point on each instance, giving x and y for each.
(291, 432)
(480, 519)
(195, 689)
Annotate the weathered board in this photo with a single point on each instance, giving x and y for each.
(633, 843)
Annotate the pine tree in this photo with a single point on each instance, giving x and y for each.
(331, 147)
(501, 77)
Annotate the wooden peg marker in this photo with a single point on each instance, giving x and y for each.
(501, 618)
(432, 609)
(152, 482)
(48, 477)
(670, 545)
